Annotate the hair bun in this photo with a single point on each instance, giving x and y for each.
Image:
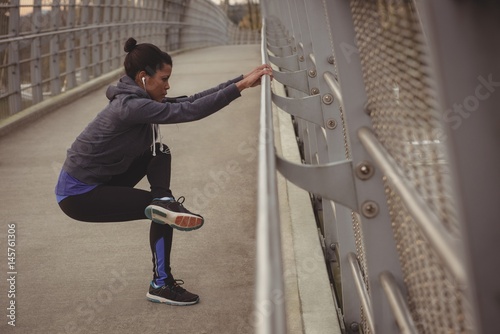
(130, 44)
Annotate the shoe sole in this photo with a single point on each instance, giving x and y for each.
(157, 299)
(179, 221)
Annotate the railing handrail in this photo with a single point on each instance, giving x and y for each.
(93, 27)
(269, 278)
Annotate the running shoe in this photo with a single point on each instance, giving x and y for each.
(173, 213)
(171, 294)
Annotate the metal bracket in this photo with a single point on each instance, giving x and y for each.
(334, 181)
(277, 42)
(290, 63)
(306, 108)
(334, 86)
(297, 79)
(280, 51)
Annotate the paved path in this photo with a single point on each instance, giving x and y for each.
(75, 277)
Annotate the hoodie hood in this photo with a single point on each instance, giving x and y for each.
(126, 86)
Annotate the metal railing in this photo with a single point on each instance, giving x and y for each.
(49, 47)
(269, 277)
(380, 94)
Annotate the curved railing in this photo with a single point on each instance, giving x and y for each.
(50, 47)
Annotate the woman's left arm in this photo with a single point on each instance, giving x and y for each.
(251, 79)
(196, 96)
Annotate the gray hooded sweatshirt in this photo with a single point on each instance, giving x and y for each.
(128, 126)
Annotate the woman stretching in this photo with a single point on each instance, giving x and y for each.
(123, 144)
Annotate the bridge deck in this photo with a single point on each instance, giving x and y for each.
(76, 277)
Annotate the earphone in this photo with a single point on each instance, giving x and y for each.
(144, 82)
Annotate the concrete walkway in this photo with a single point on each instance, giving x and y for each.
(74, 277)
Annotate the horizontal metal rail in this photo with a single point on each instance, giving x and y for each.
(207, 30)
(269, 280)
(334, 86)
(397, 304)
(361, 289)
(97, 27)
(312, 57)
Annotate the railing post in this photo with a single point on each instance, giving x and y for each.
(125, 16)
(116, 41)
(106, 38)
(95, 43)
(55, 71)
(84, 42)
(174, 13)
(36, 53)
(70, 81)
(14, 73)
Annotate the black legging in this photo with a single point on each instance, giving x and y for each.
(118, 201)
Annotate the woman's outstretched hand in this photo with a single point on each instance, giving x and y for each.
(253, 78)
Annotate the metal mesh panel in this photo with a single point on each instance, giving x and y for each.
(361, 255)
(436, 304)
(405, 120)
(360, 246)
(401, 100)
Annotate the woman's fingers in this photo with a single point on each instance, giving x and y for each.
(259, 69)
(253, 78)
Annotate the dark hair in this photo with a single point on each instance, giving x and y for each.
(143, 57)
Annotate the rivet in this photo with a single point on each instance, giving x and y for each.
(331, 60)
(327, 99)
(331, 124)
(314, 91)
(364, 170)
(332, 246)
(369, 209)
(354, 327)
(301, 58)
(312, 73)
